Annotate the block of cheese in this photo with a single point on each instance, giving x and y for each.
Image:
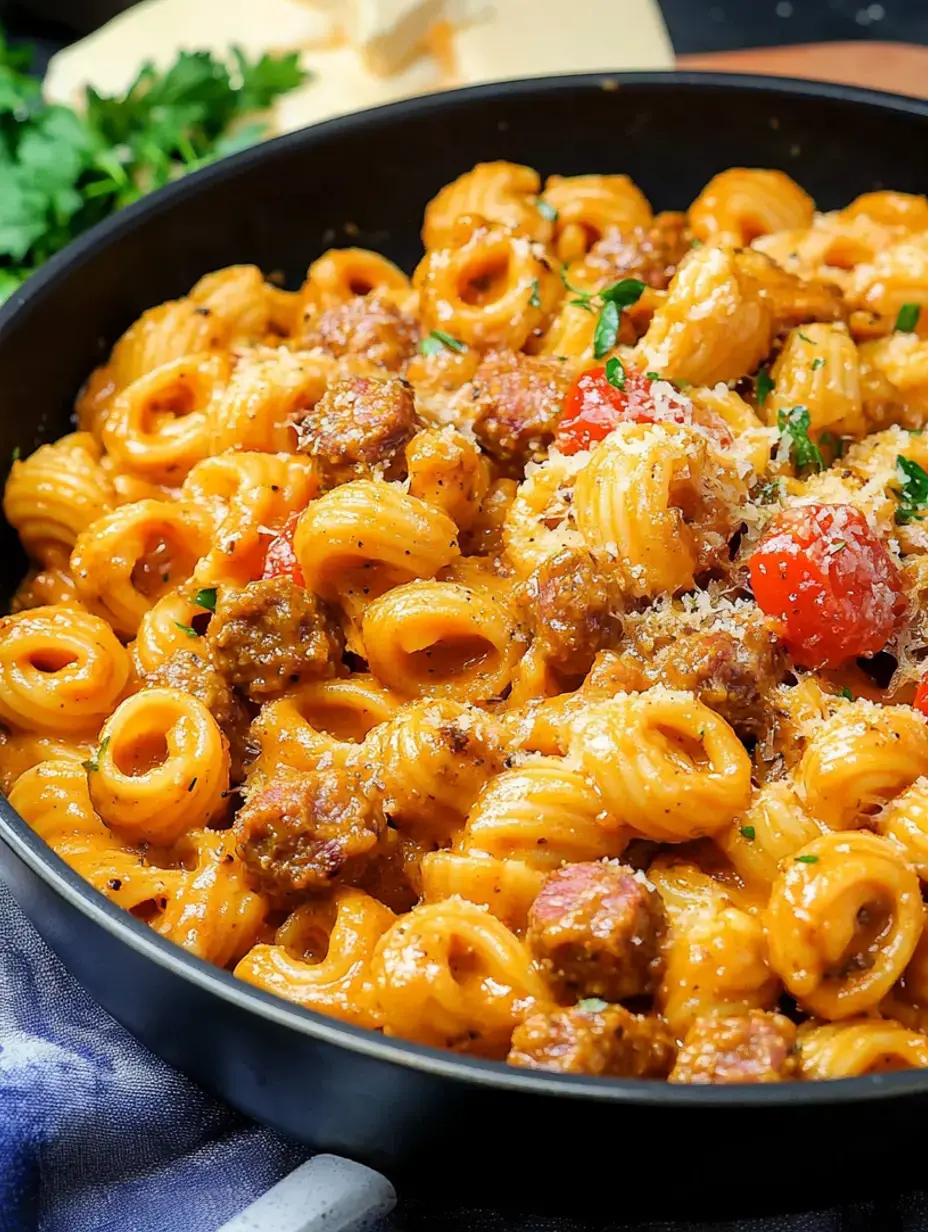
(490, 40)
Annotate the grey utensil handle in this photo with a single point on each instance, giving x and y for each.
(326, 1194)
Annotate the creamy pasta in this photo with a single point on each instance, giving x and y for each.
(522, 657)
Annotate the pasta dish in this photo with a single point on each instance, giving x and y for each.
(522, 658)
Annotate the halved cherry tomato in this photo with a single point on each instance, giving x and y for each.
(281, 560)
(828, 584)
(594, 407)
(921, 696)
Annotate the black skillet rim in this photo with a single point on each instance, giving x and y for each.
(51, 869)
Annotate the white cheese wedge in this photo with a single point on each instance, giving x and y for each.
(389, 33)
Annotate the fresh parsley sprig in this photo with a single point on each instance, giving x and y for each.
(62, 170)
(794, 427)
(912, 494)
(607, 304)
(437, 341)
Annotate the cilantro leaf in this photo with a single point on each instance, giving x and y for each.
(907, 318)
(92, 764)
(624, 293)
(615, 373)
(794, 427)
(206, 598)
(607, 329)
(807, 859)
(266, 79)
(913, 492)
(763, 386)
(437, 341)
(592, 1005)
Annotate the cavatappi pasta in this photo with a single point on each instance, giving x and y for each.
(521, 657)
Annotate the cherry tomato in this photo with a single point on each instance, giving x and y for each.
(827, 583)
(281, 560)
(594, 407)
(921, 697)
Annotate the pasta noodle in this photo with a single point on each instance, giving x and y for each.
(522, 656)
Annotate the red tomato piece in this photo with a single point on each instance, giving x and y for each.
(594, 407)
(827, 583)
(921, 696)
(281, 560)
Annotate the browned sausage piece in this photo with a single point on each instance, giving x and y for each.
(517, 403)
(271, 635)
(194, 674)
(574, 608)
(596, 931)
(650, 254)
(303, 833)
(360, 426)
(607, 1042)
(367, 325)
(750, 1047)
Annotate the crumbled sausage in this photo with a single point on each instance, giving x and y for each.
(574, 607)
(751, 1047)
(302, 833)
(596, 931)
(517, 402)
(607, 1042)
(194, 674)
(271, 635)
(650, 254)
(366, 325)
(732, 670)
(359, 426)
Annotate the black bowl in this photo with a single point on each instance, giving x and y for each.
(365, 180)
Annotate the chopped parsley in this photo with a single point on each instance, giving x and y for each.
(768, 492)
(546, 209)
(763, 386)
(806, 338)
(653, 376)
(592, 1005)
(749, 833)
(817, 363)
(534, 299)
(913, 494)
(610, 301)
(846, 693)
(794, 427)
(437, 341)
(615, 373)
(807, 859)
(907, 318)
(92, 764)
(206, 598)
(188, 629)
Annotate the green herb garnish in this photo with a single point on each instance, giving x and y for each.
(592, 1005)
(15, 454)
(763, 386)
(188, 629)
(907, 318)
(749, 833)
(92, 764)
(535, 299)
(806, 338)
(846, 693)
(437, 341)
(653, 376)
(807, 859)
(615, 373)
(794, 427)
(206, 598)
(768, 492)
(913, 493)
(546, 209)
(817, 363)
(63, 170)
(610, 301)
